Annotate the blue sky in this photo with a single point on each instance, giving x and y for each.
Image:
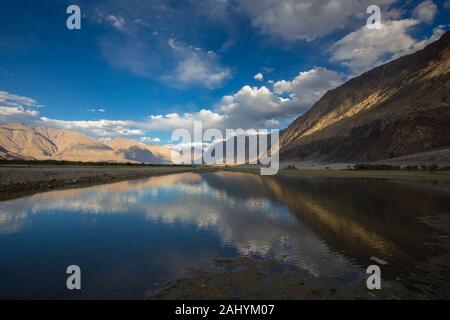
(140, 69)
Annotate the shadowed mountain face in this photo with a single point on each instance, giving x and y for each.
(7, 155)
(240, 150)
(147, 153)
(396, 109)
(18, 141)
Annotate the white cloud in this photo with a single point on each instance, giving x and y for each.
(309, 86)
(129, 132)
(435, 35)
(251, 107)
(196, 71)
(305, 19)
(16, 111)
(149, 140)
(246, 109)
(259, 77)
(116, 21)
(196, 68)
(172, 121)
(256, 107)
(98, 128)
(447, 4)
(272, 123)
(425, 11)
(12, 100)
(367, 48)
(15, 108)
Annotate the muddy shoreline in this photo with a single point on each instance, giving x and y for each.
(268, 279)
(272, 279)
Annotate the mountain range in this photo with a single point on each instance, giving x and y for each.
(18, 141)
(396, 109)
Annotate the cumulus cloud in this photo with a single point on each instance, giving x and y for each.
(259, 77)
(293, 20)
(420, 44)
(12, 100)
(99, 128)
(10, 113)
(172, 121)
(425, 11)
(196, 67)
(251, 107)
(256, 107)
(15, 108)
(309, 86)
(366, 48)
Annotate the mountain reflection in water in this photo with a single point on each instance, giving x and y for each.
(132, 236)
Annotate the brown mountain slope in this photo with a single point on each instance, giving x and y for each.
(42, 143)
(7, 155)
(26, 141)
(161, 154)
(396, 109)
(18, 141)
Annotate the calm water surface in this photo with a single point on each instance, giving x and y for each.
(131, 237)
